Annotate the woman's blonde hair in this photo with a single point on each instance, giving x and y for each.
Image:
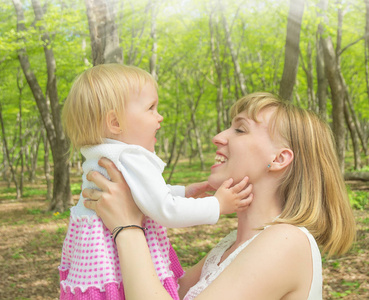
(96, 92)
(313, 188)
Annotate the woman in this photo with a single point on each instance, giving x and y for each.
(300, 203)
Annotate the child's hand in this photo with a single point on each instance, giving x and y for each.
(236, 198)
(198, 190)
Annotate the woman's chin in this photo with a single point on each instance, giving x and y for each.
(214, 182)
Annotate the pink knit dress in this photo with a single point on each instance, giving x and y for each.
(89, 266)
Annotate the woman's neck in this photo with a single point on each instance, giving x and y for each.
(263, 210)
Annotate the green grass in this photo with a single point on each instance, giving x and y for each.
(351, 288)
(41, 244)
(28, 192)
(358, 199)
(186, 172)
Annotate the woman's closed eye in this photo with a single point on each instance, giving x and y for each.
(240, 130)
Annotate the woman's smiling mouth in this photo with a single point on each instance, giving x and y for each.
(219, 159)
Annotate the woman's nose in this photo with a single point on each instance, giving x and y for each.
(220, 138)
(160, 118)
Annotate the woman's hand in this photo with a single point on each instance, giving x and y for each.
(114, 203)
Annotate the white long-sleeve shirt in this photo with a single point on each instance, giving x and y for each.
(142, 170)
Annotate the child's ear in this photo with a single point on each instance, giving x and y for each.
(282, 160)
(112, 122)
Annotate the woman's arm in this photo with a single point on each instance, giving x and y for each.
(115, 206)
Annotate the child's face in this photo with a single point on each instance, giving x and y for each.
(142, 118)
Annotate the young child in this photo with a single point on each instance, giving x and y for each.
(111, 111)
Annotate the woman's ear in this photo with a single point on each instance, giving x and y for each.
(112, 122)
(282, 160)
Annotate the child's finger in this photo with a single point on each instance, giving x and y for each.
(245, 203)
(227, 184)
(246, 192)
(241, 185)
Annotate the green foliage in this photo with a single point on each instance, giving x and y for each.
(358, 199)
(60, 216)
(185, 65)
(351, 288)
(34, 211)
(75, 188)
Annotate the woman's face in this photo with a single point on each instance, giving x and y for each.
(244, 149)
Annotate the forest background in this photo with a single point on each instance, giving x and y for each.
(205, 55)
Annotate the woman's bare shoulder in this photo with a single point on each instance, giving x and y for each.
(276, 263)
(288, 242)
(284, 231)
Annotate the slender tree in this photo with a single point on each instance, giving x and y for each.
(366, 46)
(238, 73)
(21, 154)
(7, 154)
(332, 71)
(321, 78)
(292, 48)
(218, 64)
(154, 7)
(103, 32)
(48, 106)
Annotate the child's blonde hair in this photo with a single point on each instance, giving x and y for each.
(96, 92)
(313, 188)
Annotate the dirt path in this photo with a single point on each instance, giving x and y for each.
(31, 241)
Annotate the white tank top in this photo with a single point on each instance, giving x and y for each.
(211, 269)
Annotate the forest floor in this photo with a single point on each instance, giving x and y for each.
(31, 240)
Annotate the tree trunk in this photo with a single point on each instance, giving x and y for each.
(103, 32)
(357, 123)
(197, 135)
(33, 156)
(338, 98)
(363, 176)
(354, 138)
(219, 71)
(49, 193)
(321, 79)
(237, 68)
(176, 161)
(310, 79)
(332, 71)
(366, 46)
(14, 177)
(154, 48)
(193, 105)
(5, 166)
(292, 49)
(20, 88)
(50, 116)
(175, 135)
(137, 34)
